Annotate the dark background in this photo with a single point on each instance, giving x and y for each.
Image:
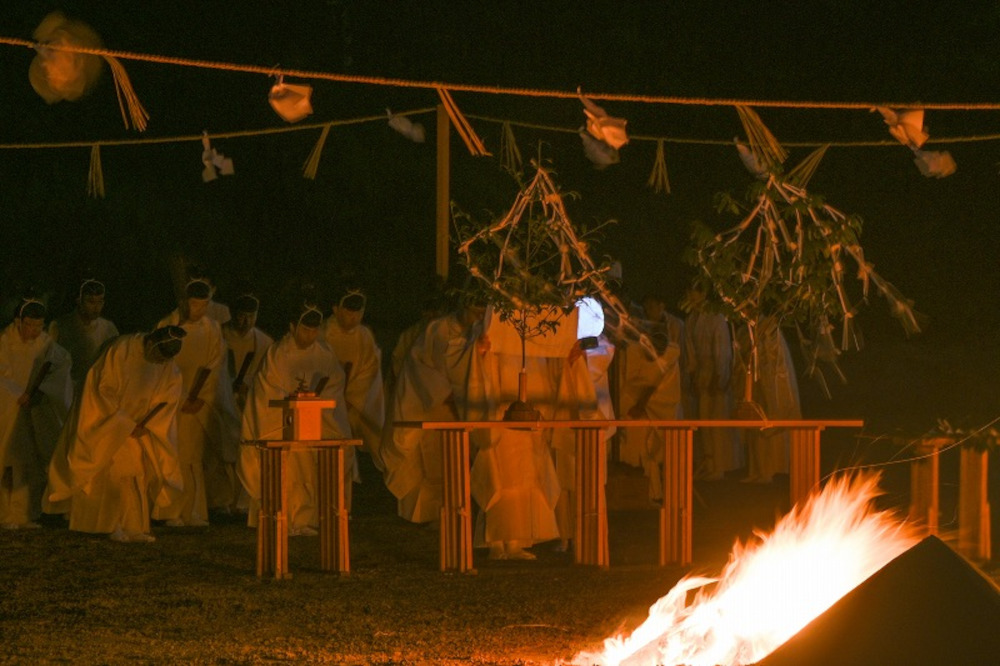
(370, 209)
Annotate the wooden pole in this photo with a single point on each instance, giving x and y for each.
(443, 209)
(804, 463)
(973, 505)
(590, 541)
(925, 474)
(456, 509)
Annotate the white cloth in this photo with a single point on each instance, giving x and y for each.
(284, 369)
(709, 357)
(440, 369)
(361, 359)
(28, 434)
(104, 474)
(202, 348)
(83, 340)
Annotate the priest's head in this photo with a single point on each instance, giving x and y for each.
(30, 319)
(90, 299)
(245, 309)
(350, 308)
(194, 304)
(163, 344)
(304, 325)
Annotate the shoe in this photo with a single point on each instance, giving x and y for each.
(497, 553)
(175, 522)
(520, 554)
(31, 525)
(197, 522)
(141, 537)
(119, 535)
(305, 530)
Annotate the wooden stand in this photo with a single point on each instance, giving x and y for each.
(925, 477)
(456, 502)
(302, 429)
(678, 491)
(590, 542)
(973, 505)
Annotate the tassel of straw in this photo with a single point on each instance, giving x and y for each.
(658, 179)
(805, 169)
(462, 126)
(127, 97)
(763, 144)
(95, 179)
(312, 164)
(510, 154)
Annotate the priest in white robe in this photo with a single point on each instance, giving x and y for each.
(84, 332)
(440, 380)
(651, 388)
(300, 361)
(354, 346)
(709, 358)
(200, 360)
(35, 396)
(118, 451)
(775, 396)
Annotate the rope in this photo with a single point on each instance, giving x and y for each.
(500, 90)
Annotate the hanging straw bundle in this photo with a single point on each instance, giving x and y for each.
(510, 154)
(312, 163)
(127, 99)
(462, 126)
(764, 146)
(95, 178)
(658, 180)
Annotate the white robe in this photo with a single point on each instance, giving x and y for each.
(284, 369)
(776, 394)
(83, 340)
(442, 364)
(28, 435)
(514, 479)
(106, 476)
(709, 365)
(202, 348)
(361, 359)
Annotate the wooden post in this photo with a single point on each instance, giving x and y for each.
(925, 475)
(456, 502)
(334, 545)
(272, 522)
(803, 463)
(973, 505)
(590, 542)
(678, 491)
(443, 204)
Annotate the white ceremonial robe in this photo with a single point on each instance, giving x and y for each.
(433, 385)
(776, 394)
(202, 347)
(710, 360)
(83, 340)
(222, 483)
(105, 475)
(284, 369)
(28, 434)
(361, 359)
(514, 479)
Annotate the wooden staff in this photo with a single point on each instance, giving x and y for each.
(244, 367)
(157, 408)
(37, 382)
(199, 383)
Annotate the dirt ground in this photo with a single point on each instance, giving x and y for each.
(193, 596)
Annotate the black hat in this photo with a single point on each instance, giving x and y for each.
(246, 303)
(352, 299)
(167, 339)
(31, 308)
(309, 315)
(91, 287)
(198, 288)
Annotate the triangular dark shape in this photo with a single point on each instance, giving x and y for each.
(927, 606)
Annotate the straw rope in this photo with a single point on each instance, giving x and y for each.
(500, 90)
(95, 176)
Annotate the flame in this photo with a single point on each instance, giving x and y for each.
(770, 589)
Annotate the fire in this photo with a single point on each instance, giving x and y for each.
(771, 588)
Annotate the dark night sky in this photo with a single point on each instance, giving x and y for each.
(372, 204)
